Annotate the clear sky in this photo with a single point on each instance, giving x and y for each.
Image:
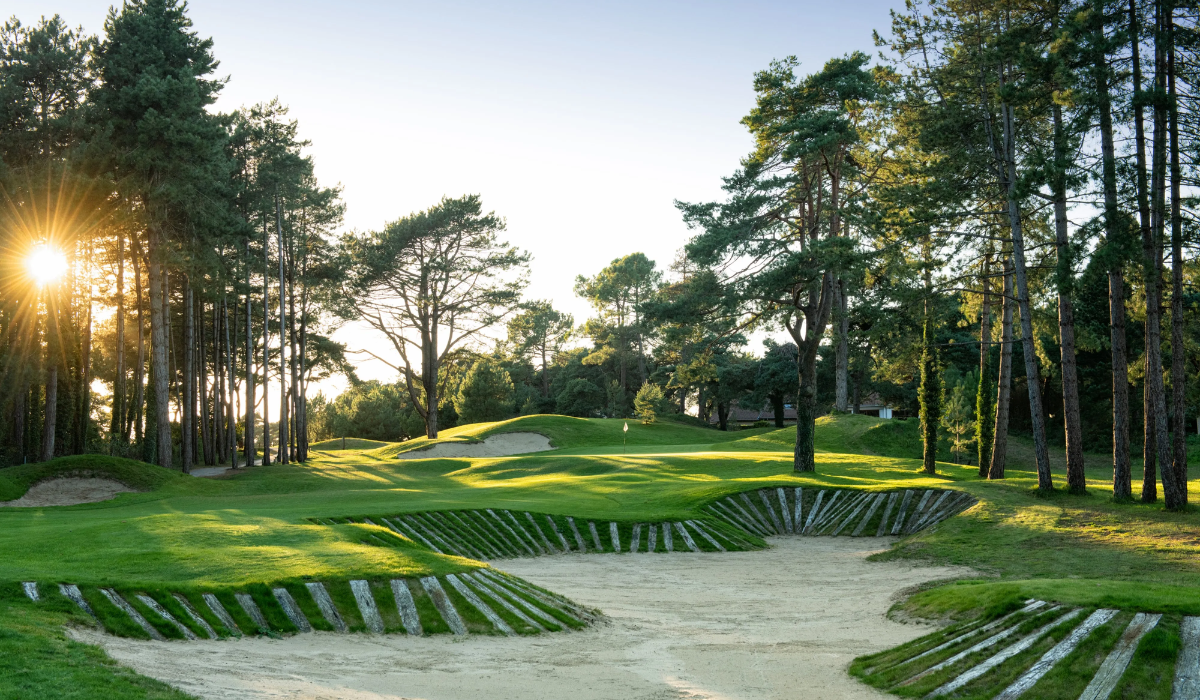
(580, 122)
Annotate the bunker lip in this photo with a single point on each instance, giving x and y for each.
(676, 625)
(69, 491)
(502, 445)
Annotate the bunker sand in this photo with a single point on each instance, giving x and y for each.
(502, 445)
(69, 491)
(778, 623)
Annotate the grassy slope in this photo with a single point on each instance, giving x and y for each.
(37, 660)
(592, 435)
(252, 526)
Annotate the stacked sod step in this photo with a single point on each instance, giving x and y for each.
(1046, 650)
(813, 511)
(492, 534)
(481, 601)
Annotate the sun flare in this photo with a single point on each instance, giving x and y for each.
(45, 264)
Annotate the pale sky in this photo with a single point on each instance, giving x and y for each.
(580, 123)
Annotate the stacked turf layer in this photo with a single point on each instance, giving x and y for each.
(482, 601)
(1045, 650)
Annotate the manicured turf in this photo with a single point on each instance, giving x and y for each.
(253, 526)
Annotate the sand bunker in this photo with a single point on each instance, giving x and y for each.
(69, 491)
(778, 623)
(496, 446)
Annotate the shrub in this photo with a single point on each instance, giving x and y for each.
(485, 395)
(580, 398)
(649, 403)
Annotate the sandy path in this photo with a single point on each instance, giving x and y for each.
(69, 491)
(780, 623)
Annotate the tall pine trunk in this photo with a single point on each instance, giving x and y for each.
(187, 426)
(1032, 375)
(1004, 385)
(84, 418)
(139, 401)
(294, 363)
(230, 416)
(266, 363)
(1064, 274)
(158, 352)
(929, 393)
(1178, 370)
(204, 425)
(248, 442)
(283, 382)
(1115, 239)
(1157, 446)
(983, 395)
(816, 317)
(842, 349)
(50, 413)
(118, 434)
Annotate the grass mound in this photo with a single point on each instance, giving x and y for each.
(15, 481)
(566, 432)
(348, 443)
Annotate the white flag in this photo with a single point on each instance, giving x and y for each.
(627, 426)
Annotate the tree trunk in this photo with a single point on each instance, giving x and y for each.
(1004, 386)
(429, 375)
(302, 378)
(842, 350)
(1114, 231)
(546, 371)
(139, 400)
(230, 416)
(1157, 441)
(85, 380)
(204, 424)
(118, 435)
(1072, 427)
(266, 363)
(248, 442)
(293, 350)
(1032, 375)
(804, 457)
(929, 393)
(50, 414)
(777, 409)
(1122, 470)
(189, 379)
(283, 382)
(158, 353)
(20, 407)
(816, 316)
(723, 416)
(1178, 369)
(983, 393)
(218, 410)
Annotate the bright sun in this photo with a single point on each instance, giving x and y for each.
(45, 264)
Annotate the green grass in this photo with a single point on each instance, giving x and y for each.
(348, 444)
(37, 660)
(257, 527)
(254, 527)
(15, 481)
